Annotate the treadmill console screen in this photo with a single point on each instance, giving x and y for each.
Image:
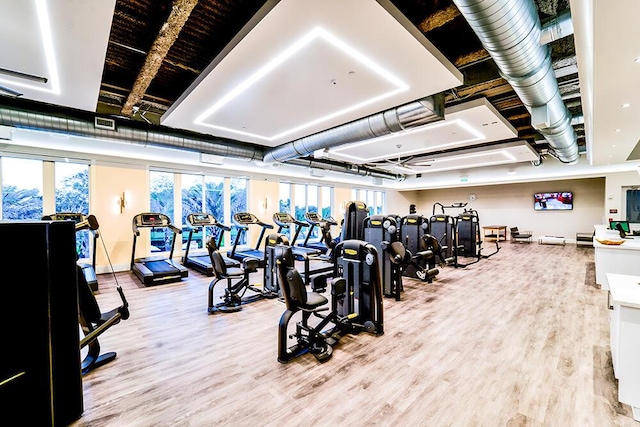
(283, 217)
(151, 219)
(313, 216)
(75, 217)
(245, 218)
(201, 219)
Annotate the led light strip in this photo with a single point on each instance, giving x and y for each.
(314, 34)
(47, 44)
(477, 137)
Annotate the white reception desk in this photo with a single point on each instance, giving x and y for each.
(625, 337)
(621, 259)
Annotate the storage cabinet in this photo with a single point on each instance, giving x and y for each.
(40, 379)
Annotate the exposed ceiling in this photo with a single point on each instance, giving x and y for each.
(266, 72)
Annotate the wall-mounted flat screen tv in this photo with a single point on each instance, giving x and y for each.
(560, 201)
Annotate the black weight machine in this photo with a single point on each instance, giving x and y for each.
(89, 270)
(199, 261)
(356, 301)
(469, 241)
(234, 294)
(242, 221)
(414, 233)
(155, 270)
(443, 228)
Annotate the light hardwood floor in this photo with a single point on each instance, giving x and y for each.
(518, 339)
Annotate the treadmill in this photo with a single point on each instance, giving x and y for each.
(284, 220)
(156, 270)
(316, 221)
(201, 261)
(243, 220)
(89, 270)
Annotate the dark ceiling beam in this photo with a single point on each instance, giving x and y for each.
(471, 58)
(439, 18)
(180, 12)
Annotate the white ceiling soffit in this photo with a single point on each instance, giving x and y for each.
(63, 41)
(311, 65)
(607, 49)
(508, 152)
(466, 124)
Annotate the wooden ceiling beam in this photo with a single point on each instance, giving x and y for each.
(471, 58)
(439, 18)
(180, 12)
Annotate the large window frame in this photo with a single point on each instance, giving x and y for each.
(298, 198)
(374, 199)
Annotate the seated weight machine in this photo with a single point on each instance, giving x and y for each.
(382, 232)
(356, 302)
(234, 294)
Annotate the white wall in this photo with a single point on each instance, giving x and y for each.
(512, 205)
(615, 194)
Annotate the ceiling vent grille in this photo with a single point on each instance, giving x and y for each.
(104, 123)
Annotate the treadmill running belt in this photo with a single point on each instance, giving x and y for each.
(160, 267)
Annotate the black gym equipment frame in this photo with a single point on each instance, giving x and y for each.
(201, 261)
(356, 302)
(242, 220)
(156, 270)
(89, 270)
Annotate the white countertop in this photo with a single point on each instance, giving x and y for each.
(624, 289)
(629, 243)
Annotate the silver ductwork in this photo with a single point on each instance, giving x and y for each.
(333, 166)
(128, 131)
(407, 116)
(125, 131)
(558, 27)
(510, 31)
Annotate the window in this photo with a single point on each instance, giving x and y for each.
(21, 188)
(284, 204)
(326, 198)
(309, 198)
(211, 202)
(374, 199)
(72, 195)
(214, 202)
(238, 195)
(191, 195)
(161, 194)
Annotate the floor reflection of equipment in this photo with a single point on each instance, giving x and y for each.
(356, 302)
(199, 260)
(156, 270)
(89, 270)
(242, 221)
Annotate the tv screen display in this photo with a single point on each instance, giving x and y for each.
(553, 201)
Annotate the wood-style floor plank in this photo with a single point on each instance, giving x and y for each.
(519, 339)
